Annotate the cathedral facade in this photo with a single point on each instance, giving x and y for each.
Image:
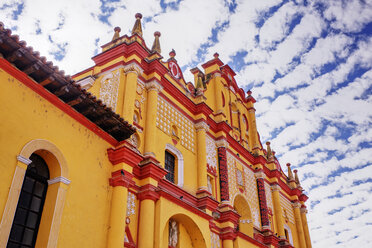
(128, 154)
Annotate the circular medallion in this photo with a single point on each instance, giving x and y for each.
(175, 70)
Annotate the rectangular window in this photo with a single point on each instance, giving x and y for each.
(169, 166)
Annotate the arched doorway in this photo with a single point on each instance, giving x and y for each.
(245, 220)
(181, 231)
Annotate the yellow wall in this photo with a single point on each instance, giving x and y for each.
(26, 116)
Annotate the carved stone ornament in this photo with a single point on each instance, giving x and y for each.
(201, 126)
(133, 67)
(109, 89)
(173, 234)
(153, 85)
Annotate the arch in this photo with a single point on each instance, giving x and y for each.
(172, 149)
(56, 192)
(188, 231)
(53, 156)
(245, 220)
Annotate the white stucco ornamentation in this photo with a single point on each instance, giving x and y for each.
(256, 218)
(109, 89)
(131, 204)
(215, 240)
(167, 116)
(211, 153)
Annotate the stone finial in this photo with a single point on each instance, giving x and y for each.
(216, 55)
(172, 53)
(296, 177)
(156, 45)
(290, 174)
(137, 28)
(249, 92)
(199, 83)
(297, 180)
(116, 34)
(269, 154)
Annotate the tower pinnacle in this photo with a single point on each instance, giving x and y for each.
(156, 45)
(137, 28)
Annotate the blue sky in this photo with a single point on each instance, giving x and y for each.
(308, 63)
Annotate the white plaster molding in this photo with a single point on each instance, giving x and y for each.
(59, 180)
(24, 160)
(303, 210)
(296, 205)
(86, 82)
(275, 187)
(201, 126)
(153, 85)
(180, 162)
(133, 67)
(259, 174)
(222, 143)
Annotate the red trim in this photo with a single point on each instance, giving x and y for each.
(215, 61)
(228, 233)
(53, 99)
(207, 202)
(121, 178)
(82, 72)
(131, 243)
(229, 216)
(251, 240)
(148, 192)
(124, 154)
(149, 168)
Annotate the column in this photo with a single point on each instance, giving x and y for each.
(217, 94)
(131, 71)
(305, 226)
(253, 131)
(300, 230)
(201, 129)
(278, 210)
(146, 231)
(227, 243)
(260, 175)
(120, 181)
(153, 89)
(222, 162)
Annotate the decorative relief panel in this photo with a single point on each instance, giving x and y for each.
(168, 116)
(269, 198)
(211, 153)
(250, 192)
(109, 89)
(215, 240)
(287, 209)
(131, 204)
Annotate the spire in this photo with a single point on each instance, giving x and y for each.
(297, 180)
(269, 154)
(290, 174)
(199, 83)
(117, 33)
(156, 45)
(137, 28)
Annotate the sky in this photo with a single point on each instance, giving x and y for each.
(308, 64)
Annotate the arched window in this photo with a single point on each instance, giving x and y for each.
(30, 204)
(170, 166)
(175, 160)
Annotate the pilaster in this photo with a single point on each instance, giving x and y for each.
(153, 89)
(275, 189)
(201, 129)
(131, 71)
(299, 226)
